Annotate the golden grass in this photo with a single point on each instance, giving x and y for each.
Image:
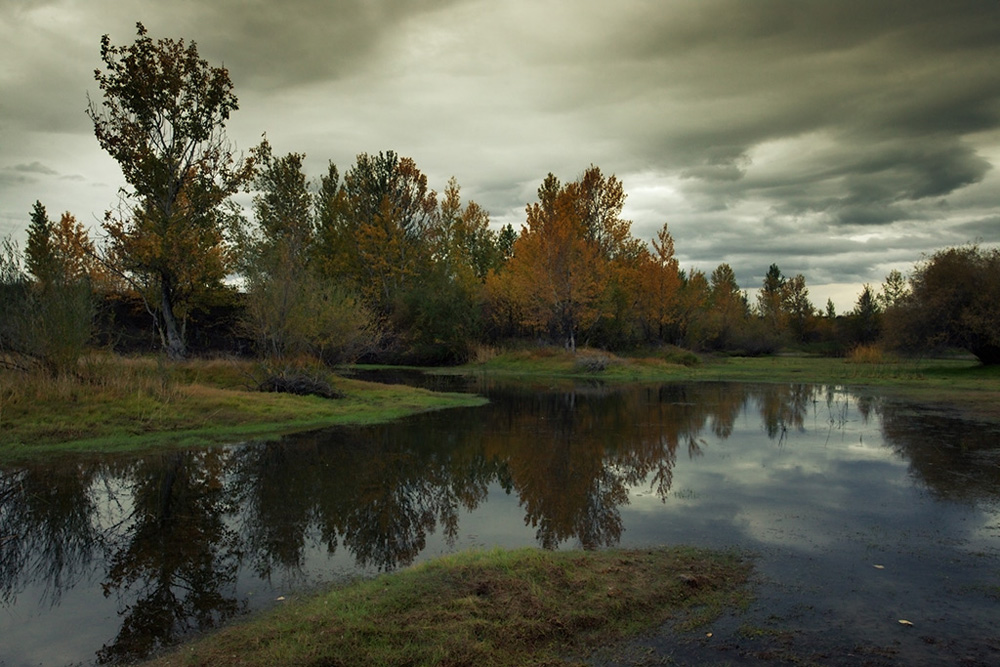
(871, 354)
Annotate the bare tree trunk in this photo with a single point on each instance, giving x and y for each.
(176, 349)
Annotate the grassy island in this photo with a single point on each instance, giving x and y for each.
(521, 607)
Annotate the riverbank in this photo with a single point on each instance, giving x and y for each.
(117, 404)
(134, 404)
(499, 607)
(960, 384)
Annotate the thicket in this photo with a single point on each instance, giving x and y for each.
(373, 264)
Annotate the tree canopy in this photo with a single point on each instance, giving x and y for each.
(954, 300)
(162, 118)
(373, 260)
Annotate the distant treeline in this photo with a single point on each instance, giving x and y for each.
(375, 265)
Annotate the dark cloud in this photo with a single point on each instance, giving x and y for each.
(279, 45)
(979, 230)
(830, 138)
(35, 168)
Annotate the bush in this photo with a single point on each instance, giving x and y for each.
(301, 384)
(954, 302)
(866, 354)
(45, 323)
(592, 363)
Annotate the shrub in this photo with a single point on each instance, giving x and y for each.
(954, 302)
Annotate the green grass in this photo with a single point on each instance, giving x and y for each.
(963, 384)
(118, 404)
(522, 607)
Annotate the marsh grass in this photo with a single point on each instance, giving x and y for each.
(958, 383)
(872, 355)
(588, 363)
(113, 404)
(522, 607)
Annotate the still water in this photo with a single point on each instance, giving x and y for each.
(861, 510)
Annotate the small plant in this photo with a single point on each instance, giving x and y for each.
(592, 363)
(869, 354)
(484, 353)
(677, 355)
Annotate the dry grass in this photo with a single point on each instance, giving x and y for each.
(483, 353)
(871, 355)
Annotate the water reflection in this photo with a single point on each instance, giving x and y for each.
(47, 531)
(170, 557)
(956, 460)
(171, 540)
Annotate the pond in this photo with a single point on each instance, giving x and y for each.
(861, 511)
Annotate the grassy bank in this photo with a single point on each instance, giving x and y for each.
(524, 607)
(961, 384)
(117, 404)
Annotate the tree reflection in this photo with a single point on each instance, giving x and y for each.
(784, 406)
(378, 492)
(955, 458)
(172, 533)
(47, 531)
(573, 456)
(174, 560)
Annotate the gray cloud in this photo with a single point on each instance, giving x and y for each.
(35, 168)
(830, 138)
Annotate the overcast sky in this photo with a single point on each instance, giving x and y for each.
(837, 139)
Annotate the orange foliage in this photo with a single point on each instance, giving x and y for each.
(556, 275)
(659, 286)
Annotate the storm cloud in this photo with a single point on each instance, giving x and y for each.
(838, 140)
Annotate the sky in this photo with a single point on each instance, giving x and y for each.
(838, 139)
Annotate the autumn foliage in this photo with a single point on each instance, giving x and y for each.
(374, 263)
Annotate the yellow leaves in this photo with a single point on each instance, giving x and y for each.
(559, 269)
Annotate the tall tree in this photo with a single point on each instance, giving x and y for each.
(728, 306)
(39, 255)
(954, 301)
(273, 257)
(163, 118)
(601, 200)
(557, 269)
(660, 286)
(865, 321)
(374, 226)
(799, 311)
(59, 305)
(15, 288)
(770, 298)
(461, 237)
(692, 326)
(894, 290)
(291, 307)
(441, 311)
(505, 244)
